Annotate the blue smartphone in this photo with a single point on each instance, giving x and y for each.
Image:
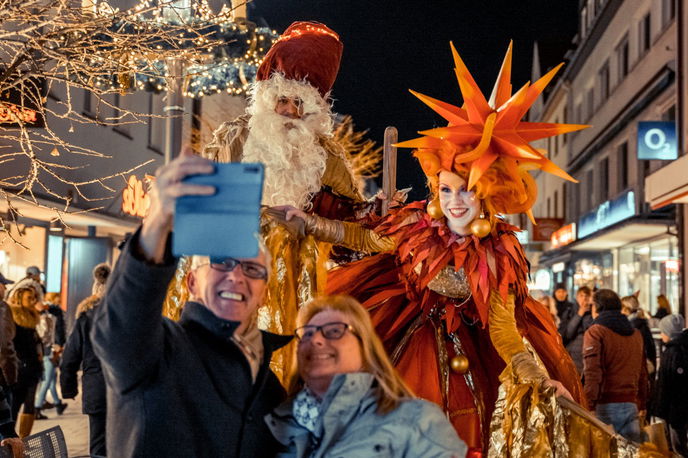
(225, 224)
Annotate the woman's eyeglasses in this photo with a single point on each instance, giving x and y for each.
(330, 331)
(249, 268)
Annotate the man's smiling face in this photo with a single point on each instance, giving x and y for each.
(229, 295)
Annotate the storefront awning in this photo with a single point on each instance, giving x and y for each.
(619, 236)
(71, 218)
(668, 185)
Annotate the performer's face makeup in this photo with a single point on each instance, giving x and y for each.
(229, 295)
(459, 205)
(290, 107)
(320, 359)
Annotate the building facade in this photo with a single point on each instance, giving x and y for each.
(621, 74)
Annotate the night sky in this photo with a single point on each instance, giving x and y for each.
(391, 46)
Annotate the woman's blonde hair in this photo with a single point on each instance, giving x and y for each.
(391, 387)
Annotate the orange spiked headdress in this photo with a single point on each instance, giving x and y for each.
(488, 141)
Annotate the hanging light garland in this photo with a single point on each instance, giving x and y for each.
(230, 51)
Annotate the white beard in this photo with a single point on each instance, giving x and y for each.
(291, 152)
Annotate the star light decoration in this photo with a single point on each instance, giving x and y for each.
(488, 129)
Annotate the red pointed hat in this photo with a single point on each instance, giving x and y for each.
(305, 51)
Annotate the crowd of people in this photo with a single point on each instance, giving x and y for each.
(629, 376)
(423, 341)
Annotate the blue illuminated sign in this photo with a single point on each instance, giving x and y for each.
(606, 214)
(657, 140)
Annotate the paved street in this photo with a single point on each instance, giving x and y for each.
(74, 426)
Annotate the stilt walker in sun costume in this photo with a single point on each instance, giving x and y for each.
(447, 290)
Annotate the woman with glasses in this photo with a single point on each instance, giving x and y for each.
(347, 399)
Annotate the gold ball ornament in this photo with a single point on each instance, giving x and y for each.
(434, 209)
(459, 364)
(481, 227)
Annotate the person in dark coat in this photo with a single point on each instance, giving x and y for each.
(637, 317)
(574, 322)
(78, 353)
(201, 386)
(670, 400)
(28, 346)
(561, 299)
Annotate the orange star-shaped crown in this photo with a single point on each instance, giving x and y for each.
(489, 130)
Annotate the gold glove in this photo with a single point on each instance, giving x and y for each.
(350, 235)
(508, 341)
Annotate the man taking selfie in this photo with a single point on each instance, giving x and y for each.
(199, 386)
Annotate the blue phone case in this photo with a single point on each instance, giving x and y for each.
(226, 223)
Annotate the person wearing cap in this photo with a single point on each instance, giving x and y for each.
(199, 386)
(32, 279)
(288, 126)
(670, 400)
(561, 298)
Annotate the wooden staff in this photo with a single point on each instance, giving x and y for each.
(389, 168)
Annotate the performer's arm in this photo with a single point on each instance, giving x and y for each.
(509, 345)
(508, 342)
(349, 235)
(346, 234)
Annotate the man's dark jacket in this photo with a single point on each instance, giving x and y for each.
(671, 391)
(572, 328)
(177, 389)
(78, 353)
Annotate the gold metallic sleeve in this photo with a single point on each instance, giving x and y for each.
(508, 342)
(350, 235)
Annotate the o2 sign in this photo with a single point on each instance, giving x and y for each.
(657, 140)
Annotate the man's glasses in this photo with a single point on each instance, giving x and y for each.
(330, 331)
(249, 268)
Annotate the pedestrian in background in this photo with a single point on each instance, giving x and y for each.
(8, 374)
(615, 373)
(561, 298)
(638, 318)
(670, 400)
(663, 307)
(51, 330)
(575, 321)
(78, 353)
(28, 346)
(8, 436)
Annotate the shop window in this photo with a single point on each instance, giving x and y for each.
(622, 59)
(556, 204)
(590, 103)
(604, 180)
(622, 174)
(644, 35)
(548, 208)
(120, 109)
(669, 114)
(603, 77)
(156, 124)
(668, 11)
(589, 191)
